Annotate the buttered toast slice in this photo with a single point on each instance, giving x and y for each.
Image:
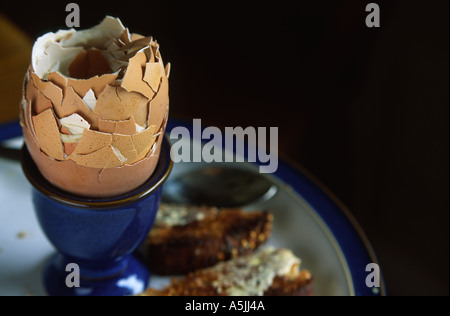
(268, 272)
(188, 238)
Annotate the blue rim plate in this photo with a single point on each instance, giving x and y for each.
(10, 130)
(352, 240)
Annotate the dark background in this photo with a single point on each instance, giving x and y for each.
(365, 110)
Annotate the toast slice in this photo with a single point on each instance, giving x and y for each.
(268, 272)
(188, 238)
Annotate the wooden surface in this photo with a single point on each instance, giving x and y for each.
(15, 55)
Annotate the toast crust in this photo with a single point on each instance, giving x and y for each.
(210, 236)
(285, 278)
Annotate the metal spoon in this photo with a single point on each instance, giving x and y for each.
(219, 186)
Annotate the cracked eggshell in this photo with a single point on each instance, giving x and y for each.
(116, 104)
(47, 134)
(49, 90)
(132, 80)
(159, 105)
(91, 132)
(69, 141)
(127, 127)
(90, 182)
(91, 141)
(153, 74)
(39, 102)
(82, 86)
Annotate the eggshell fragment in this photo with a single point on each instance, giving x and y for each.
(72, 103)
(126, 37)
(116, 104)
(28, 117)
(82, 86)
(90, 100)
(69, 141)
(126, 127)
(168, 66)
(135, 36)
(158, 105)
(75, 124)
(49, 90)
(124, 143)
(47, 134)
(136, 45)
(106, 126)
(100, 158)
(132, 80)
(90, 142)
(144, 141)
(153, 74)
(90, 182)
(39, 102)
(141, 114)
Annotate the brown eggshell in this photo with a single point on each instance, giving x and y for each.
(39, 102)
(159, 104)
(88, 64)
(98, 159)
(127, 127)
(114, 161)
(124, 143)
(167, 69)
(126, 37)
(82, 86)
(106, 126)
(110, 157)
(153, 74)
(28, 117)
(136, 45)
(72, 103)
(141, 114)
(49, 90)
(135, 36)
(116, 104)
(90, 182)
(142, 171)
(144, 141)
(47, 134)
(132, 80)
(90, 142)
(68, 147)
(59, 80)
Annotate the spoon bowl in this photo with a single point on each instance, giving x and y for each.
(219, 186)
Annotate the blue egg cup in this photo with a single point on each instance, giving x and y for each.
(98, 235)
